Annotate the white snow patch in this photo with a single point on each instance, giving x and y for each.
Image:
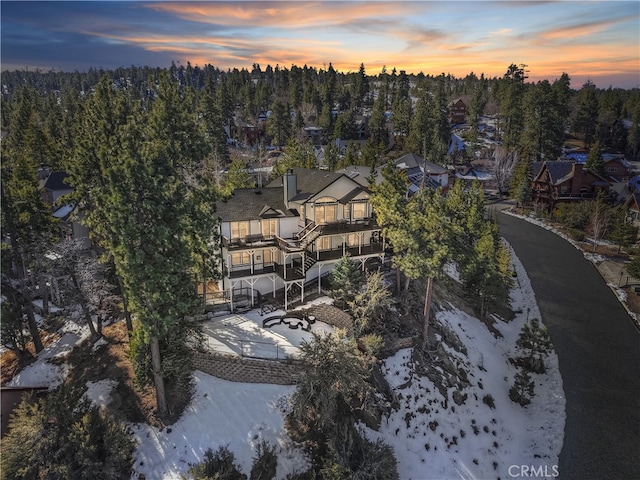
(99, 393)
(238, 415)
(423, 430)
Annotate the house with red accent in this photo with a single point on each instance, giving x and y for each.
(457, 111)
(565, 181)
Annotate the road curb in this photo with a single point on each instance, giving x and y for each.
(633, 316)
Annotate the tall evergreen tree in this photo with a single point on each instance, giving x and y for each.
(543, 132)
(279, 123)
(587, 114)
(595, 161)
(510, 94)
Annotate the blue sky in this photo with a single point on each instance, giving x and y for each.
(599, 41)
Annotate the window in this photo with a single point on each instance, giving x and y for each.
(269, 227)
(267, 256)
(352, 240)
(359, 209)
(326, 213)
(239, 230)
(346, 212)
(612, 170)
(240, 258)
(323, 243)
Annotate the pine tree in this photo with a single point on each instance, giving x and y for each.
(153, 214)
(510, 95)
(595, 162)
(623, 232)
(523, 387)
(346, 280)
(212, 124)
(543, 132)
(279, 124)
(63, 436)
(236, 177)
(535, 343)
(329, 397)
(587, 114)
(370, 304)
(520, 185)
(441, 132)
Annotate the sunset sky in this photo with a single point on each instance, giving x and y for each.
(596, 40)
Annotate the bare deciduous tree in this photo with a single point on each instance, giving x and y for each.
(504, 164)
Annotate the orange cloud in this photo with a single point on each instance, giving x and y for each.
(282, 14)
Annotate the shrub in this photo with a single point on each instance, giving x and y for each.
(371, 345)
(633, 267)
(265, 463)
(488, 400)
(218, 465)
(575, 234)
(64, 436)
(522, 390)
(574, 215)
(535, 342)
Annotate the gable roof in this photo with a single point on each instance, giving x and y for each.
(411, 160)
(57, 181)
(559, 171)
(309, 182)
(358, 173)
(633, 201)
(252, 204)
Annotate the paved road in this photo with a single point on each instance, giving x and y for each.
(598, 350)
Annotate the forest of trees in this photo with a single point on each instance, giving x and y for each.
(144, 150)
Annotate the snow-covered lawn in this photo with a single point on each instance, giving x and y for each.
(241, 415)
(473, 440)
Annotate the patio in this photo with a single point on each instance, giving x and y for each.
(244, 335)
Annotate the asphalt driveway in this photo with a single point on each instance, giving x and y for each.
(598, 349)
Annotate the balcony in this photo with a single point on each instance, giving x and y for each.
(250, 241)
(339, 252)
(288, 273)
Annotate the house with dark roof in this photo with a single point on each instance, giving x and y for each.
(293, 231)
(565, 181)
(55, 186)
(457, 111)
(420, 173)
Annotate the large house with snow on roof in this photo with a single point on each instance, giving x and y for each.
(286, 236)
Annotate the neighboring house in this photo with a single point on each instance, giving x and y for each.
(416, 167)
(70, 227)
(457, 111)
(469, 173)
(632, 205)
(617, 169)
(565, 181)
(54, 186)
(293, 231)
(313, 134)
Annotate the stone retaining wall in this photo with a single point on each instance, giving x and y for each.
(248, 370)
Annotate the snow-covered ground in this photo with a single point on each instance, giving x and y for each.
(243, 334)
(241, 415)
(473, 440)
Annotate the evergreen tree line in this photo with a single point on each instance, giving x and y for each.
(139, 177)
(533, 118)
